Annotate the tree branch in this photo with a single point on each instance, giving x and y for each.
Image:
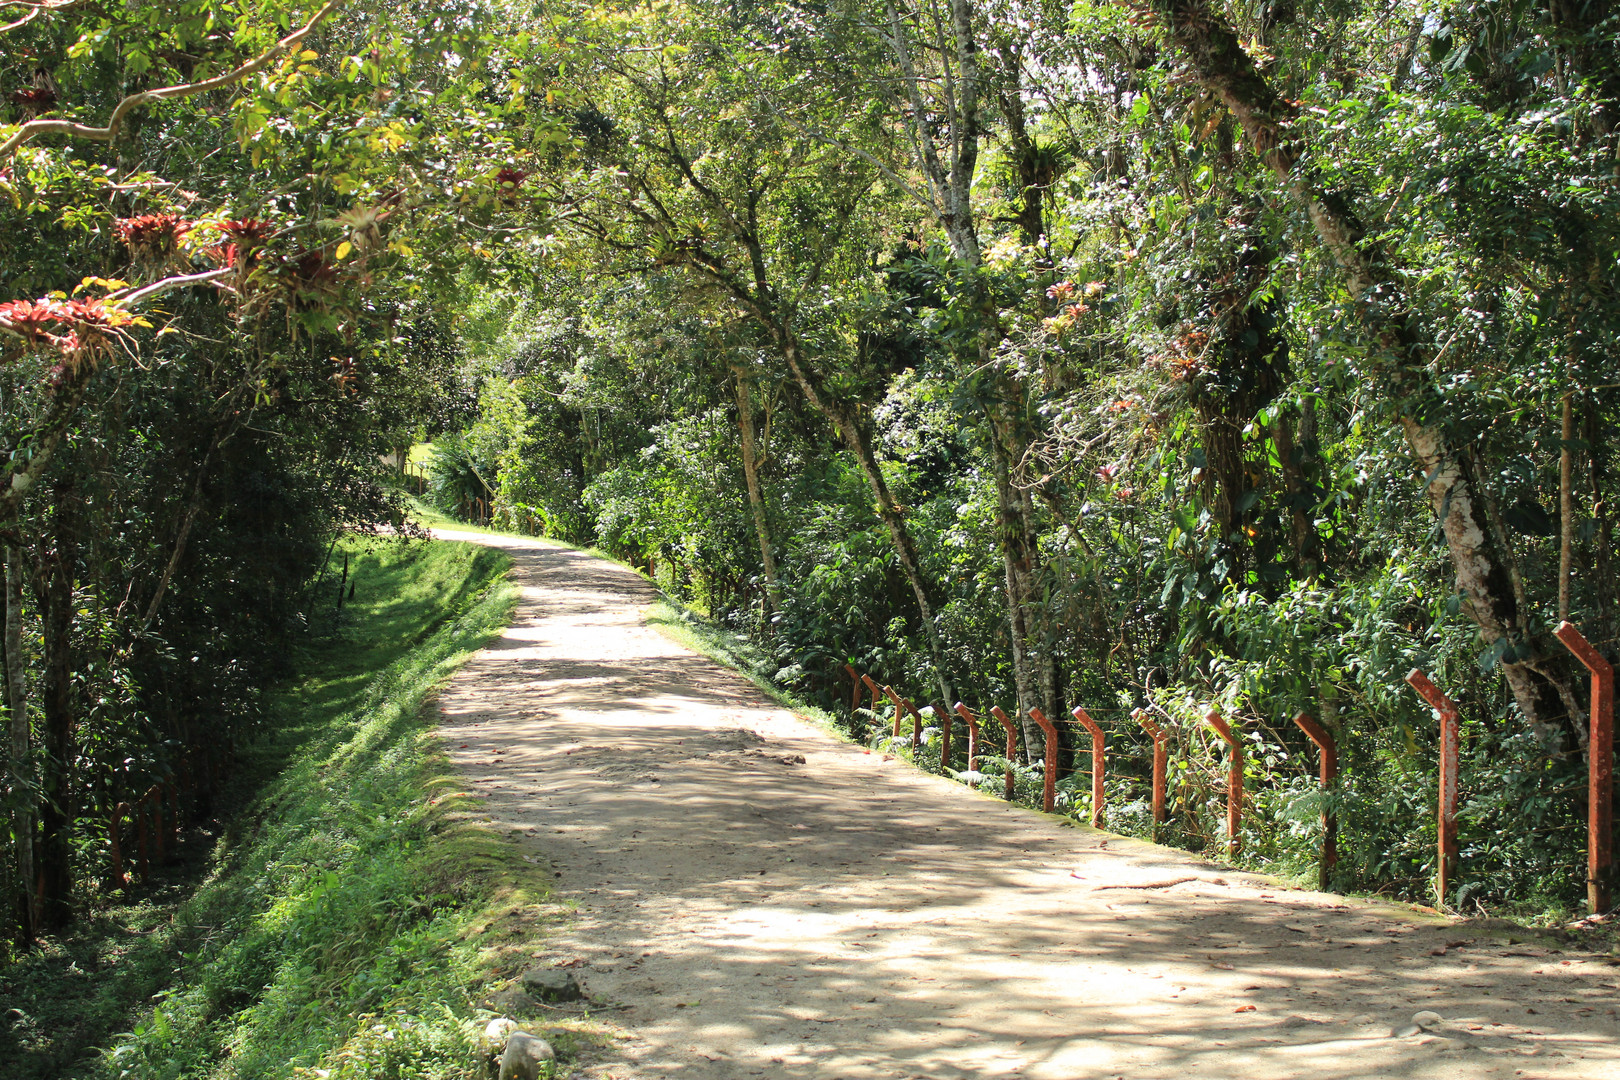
(135, 294)
(36, 7)
(34, 128)
(849, 148)
(21, 476)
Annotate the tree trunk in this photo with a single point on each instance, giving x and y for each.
(1485, 569)
(22, 820)
(1566, 505)
(756, 498)
(1603, 590)
(1033, 168)
(57, 707)
(1034, 673)
(28, 465)
(950, 184)
(855, 440)
(1292, 454)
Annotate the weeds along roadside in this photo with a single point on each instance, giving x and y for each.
(354, 908)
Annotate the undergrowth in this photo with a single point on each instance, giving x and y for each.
(351, 912)
(1129, 810)
(331, 932)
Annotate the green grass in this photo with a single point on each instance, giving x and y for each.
(426, 515)
(350, 914)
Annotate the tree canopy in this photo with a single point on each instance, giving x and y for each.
(1150, 356)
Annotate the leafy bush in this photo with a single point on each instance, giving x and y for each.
(334, 932)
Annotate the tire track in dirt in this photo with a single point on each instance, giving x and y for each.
(851, 918)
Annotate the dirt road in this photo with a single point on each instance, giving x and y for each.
(850, 917)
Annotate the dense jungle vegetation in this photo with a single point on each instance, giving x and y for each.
(1147, 355)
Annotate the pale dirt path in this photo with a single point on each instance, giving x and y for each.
(851, 918)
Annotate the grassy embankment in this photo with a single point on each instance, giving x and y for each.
(351, 912)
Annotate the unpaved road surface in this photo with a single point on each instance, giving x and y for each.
(850, 917)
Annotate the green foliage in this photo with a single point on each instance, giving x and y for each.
(387, 875)
(332, 932)
(1143, 433)
(1173, 398)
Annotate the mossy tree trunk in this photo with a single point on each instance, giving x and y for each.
(1486, 572)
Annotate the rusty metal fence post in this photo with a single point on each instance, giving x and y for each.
(1329, 771)
(973, 733)
(877, 694)
(916, 727)
(944, 737)
(1049, 784)
(1160, 760)
(1097, 751)
(894, 699)
(855, 691)
(1449, 750)
(1234, 783)
(902, 706)
(1599, 770)
(1012, 745)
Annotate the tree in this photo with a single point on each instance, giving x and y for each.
(1486, 573)
(654, 189)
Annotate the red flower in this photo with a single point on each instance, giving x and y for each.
(247, 232)
(313, 267)
(93, 312)
(89, 324)
(152, 237)
(150, 229)
(36, 98)
(29, 317)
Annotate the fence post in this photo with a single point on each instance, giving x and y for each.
(1097, 750)
(1599, 770)
(904, 703)
(855, 691)
(1049, 784)
(1449, 738)
(1234, 783)
(1012, 744)
(944, 737)
(1159, 762)
(894, 698)
(877, 694)
(973, 733)
(1329, 772)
